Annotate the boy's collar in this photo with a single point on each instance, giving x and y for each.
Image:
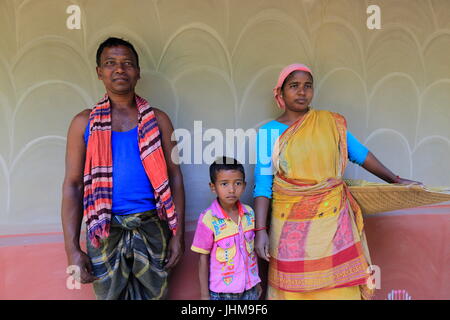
(220, 213)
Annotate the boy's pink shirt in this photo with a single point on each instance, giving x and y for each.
(221, 238)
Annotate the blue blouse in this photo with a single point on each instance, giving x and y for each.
(357, 153)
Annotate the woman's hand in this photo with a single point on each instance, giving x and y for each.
(406, 181)
(262, 244)
(262, 205)
(259, 290)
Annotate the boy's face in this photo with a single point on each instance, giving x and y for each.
(229, 186)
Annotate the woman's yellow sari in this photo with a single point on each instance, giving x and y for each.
(317, 242)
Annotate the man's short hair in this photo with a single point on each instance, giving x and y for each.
(115, 42)
(224, 163)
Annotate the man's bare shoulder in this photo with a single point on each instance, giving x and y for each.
(83, 115)
(162, 118)
(80, 121)
(160, 114)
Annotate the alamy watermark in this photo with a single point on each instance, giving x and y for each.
(374, 280)
(374, 20)
(201, 146)
(73, 280)
(73, 22)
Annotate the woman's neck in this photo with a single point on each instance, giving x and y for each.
(289, 117)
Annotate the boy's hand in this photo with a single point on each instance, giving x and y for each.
(262, 244)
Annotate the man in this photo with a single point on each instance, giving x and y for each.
(119, 172)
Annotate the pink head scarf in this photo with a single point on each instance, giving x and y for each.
(283, 75)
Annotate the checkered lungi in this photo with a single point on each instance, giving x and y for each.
(130, 262)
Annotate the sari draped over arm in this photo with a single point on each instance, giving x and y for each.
(317, 238)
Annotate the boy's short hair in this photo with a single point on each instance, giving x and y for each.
(115, 42)
(224, 163)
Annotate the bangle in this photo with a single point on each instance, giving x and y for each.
(259, 229)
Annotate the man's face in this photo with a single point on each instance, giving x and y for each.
(118, 70)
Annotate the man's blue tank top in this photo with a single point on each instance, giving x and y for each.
(132, 190)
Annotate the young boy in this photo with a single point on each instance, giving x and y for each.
(228, 268)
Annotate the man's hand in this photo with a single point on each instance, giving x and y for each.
(175, 250)
(82, 260)
(262, 244)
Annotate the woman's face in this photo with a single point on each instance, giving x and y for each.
(298, 91)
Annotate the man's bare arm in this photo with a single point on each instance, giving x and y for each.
(176, 246)
(72, 196)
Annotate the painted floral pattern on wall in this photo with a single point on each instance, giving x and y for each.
(217, 61)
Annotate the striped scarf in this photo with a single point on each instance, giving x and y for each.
(98, 182)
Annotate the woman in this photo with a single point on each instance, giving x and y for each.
(317, 246)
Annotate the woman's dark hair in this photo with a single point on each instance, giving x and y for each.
(224, 163)
(115, 42)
